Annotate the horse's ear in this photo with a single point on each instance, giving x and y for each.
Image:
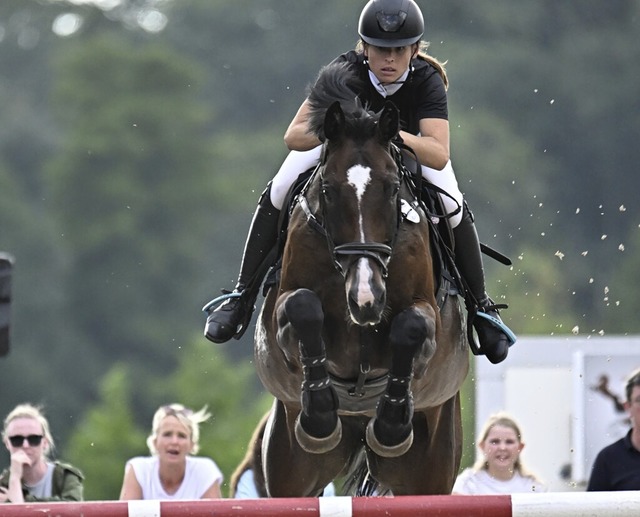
(389, 122)
(333, 121)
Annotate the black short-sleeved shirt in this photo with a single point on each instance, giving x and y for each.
(617, 467)
(423, 95)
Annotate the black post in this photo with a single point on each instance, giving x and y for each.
(6, 263)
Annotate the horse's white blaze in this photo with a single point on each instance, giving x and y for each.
(359, 178)
(365, 277)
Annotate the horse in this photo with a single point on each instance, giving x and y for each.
(363, 364)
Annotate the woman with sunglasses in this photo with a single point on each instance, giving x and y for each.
(172, 472)
(32, 476)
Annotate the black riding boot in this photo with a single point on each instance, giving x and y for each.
(494, 343)
(231, 318)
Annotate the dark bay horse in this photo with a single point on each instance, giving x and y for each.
(350, 341)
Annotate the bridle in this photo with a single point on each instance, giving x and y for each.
(379, 252)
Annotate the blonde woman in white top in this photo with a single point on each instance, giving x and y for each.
(499, 470)
(172, 471)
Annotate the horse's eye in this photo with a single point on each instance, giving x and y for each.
(327, 193)
(393, 189)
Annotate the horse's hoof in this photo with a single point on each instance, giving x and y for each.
(387, 451)
(318, 445)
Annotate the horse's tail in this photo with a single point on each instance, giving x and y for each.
(359, 481)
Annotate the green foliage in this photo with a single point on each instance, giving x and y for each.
(128, 187)
(618, 302)
(537, 292)
(467, 403)
(106, 437)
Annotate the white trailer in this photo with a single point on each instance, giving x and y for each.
(548, 384)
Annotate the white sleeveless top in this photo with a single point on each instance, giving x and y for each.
(199, 475)
(479, 482)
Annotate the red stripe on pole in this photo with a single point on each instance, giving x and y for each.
(433, 506)
(218, 507)
(407, 506)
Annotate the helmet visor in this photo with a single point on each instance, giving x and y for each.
(391, 22)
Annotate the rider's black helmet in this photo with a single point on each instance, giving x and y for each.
(391, 23)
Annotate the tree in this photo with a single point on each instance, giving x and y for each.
(106, 437)
(129, 190)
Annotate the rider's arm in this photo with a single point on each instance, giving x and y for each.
(298, 137)
(432, 145)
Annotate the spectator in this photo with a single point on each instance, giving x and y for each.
(247, 481)
(171, 472)
(32, 475)
(617, 466)
(499, 470)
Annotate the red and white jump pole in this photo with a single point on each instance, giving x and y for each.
(555, 504)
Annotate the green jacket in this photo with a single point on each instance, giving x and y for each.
(66, 484)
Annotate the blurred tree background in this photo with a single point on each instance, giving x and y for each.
(138, 134)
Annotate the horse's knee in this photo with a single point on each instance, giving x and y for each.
(304, 309)
(410, 327)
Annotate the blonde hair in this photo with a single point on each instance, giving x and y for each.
(187, 417)
(423, 54)
(502, 419)
(35, 413)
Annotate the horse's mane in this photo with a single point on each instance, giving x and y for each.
(336, 82)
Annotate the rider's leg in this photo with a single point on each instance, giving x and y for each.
(494, 342)
(231, 318)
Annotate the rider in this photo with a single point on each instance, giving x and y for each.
(392, 61)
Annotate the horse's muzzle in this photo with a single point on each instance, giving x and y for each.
(366, 291)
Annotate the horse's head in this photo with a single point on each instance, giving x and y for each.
(358, 201)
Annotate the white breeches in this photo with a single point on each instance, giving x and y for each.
(294, 164)
(298, 162)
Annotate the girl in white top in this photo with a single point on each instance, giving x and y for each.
(171, 472)
(499, 469)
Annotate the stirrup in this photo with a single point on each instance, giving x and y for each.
(210, 306)
(499, 324)
(475, 311)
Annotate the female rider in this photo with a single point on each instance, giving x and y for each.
(392, 61)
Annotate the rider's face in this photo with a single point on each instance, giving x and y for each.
(389, 63)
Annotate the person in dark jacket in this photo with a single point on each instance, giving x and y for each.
(617, 466)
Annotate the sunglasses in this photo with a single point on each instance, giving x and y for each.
(169, 411)
(18, 440)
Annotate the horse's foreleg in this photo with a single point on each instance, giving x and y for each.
(390, 433)
(318, 428)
